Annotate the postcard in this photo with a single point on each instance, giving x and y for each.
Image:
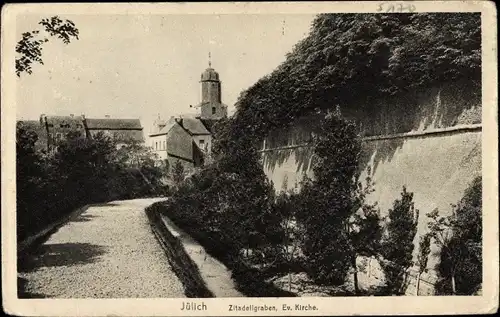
(250, 158)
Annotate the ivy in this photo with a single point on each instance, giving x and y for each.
(353, 59)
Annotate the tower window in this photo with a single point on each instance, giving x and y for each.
(213, 110)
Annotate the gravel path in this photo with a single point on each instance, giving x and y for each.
(108, 251)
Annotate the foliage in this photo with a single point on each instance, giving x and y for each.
(460, 238)
(140, 174)
(178, 173)
(332, 196)
(364, 229)
(423, 252)
(378, 54)
(397, 246)
(79, 171)
(29, 172)
(86, 163)
(29, 48)
(292, 230)
(228, 201)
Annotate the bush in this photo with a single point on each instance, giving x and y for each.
(460, 239)
(82, 170)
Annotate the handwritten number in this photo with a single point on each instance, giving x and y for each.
(392, 8)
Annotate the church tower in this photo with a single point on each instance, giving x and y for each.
(211, 103)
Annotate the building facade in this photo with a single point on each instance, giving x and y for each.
(53, 129)
(185, 138)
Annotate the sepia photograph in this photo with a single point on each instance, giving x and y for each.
(300, 156)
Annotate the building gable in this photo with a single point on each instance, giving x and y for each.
(179, 143)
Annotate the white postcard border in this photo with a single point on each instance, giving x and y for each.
(486, 303)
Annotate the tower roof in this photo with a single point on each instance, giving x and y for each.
(210, 75)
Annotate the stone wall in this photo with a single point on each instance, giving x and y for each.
(370, 274)
(181, 262)
(428, 141)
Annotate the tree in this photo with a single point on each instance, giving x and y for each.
(293, 231)
(460, 238)
(364, 229)
(29, 48)
(423, 256)
(327, 245)
(85, 165)
(29, 176)
(139, 164)
(178, 173)
(397, 247)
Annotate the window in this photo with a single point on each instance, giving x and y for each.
(156, 145)
(202, 142)
(213, 110)
(164, 145)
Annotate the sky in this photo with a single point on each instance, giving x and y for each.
(142, 66)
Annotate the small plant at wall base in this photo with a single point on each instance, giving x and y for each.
(460, 238)
(397, 245)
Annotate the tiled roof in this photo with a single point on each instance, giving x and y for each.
(194, 126)
(113, 124)
(63, 119)
(166, 128)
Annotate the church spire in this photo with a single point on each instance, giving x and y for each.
(209, 60)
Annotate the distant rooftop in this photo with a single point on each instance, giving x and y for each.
(113, 124)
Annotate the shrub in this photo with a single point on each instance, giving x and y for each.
(460, 238)
(397, 246)
(81, 171)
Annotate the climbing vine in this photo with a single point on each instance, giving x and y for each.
(353, 59)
